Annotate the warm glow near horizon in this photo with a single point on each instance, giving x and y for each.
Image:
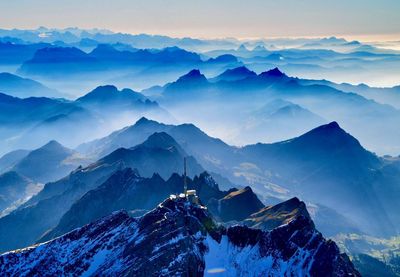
(358, 19)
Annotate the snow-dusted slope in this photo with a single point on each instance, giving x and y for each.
(179, 238)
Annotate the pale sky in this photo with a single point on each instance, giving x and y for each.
(369, 19)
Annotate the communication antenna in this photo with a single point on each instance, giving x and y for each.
(184, 177)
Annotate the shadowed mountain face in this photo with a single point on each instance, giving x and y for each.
(326, 166)
(236, 205)
(238, 73)
(159, 154)
(30, 110)
(250, 93)
(38, 120)
(175, 228)
(226, 90)
(15, 54)
(109, 98)
(271, 217)
(278, 120)
(16, 86)
(13, 187)
(59, 61)
(106, 53)
(191, 138)
(47, 163)
(10, 159)
(126, 189)
(211, 153)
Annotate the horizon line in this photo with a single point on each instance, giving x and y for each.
(365, 38)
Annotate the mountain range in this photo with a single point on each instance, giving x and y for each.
(178, 239)
(16, 86)
(159, 153)
(100, 132)
(40, 119)
(251, 93)
(14, 188)
(326, 166)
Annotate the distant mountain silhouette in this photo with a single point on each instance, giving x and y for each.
(44, 210)
(16, 86)
(71, 60)
(234, 74)
(33, 109)
(17, 53)
(193, 80)
(57, 61)
(351, 110)
(47, 163)
(278, 120)
(193, 140)
(236, 206)
(13, 187)
(40, 119)
(273, 73)
(321, 164)
(225, 59)
(318, 165)
(110, 98)
(160, 153)
(8, 160)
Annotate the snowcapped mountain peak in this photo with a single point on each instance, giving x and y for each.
(180, 238)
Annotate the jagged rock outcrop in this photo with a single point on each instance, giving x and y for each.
(180, 238)
(236, 206)
(271, 217)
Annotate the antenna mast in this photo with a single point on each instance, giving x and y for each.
(184, 177)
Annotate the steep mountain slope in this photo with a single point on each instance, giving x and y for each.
(234, 74)
(278, 120)
(109, 98)
(36, 120)
(235, 206)
(58, 62)
(17, 53)
(385, 95)
(211, 153)
(271, 217)
(13, 188)
(44, 210)
(186, 87)
(327, 165)
(8, 160)
(178, 238)
(140, 57)
(47, 163)
(126, 137)
(245, 95)
(159, 154)
(16, 86)
(30, 110)
(127, 190)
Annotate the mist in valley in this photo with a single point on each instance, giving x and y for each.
(272, 119)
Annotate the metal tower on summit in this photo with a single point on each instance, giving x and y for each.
(184, 177)
(187, 195)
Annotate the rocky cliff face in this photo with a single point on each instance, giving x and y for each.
(271, 217)
(180, 238)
